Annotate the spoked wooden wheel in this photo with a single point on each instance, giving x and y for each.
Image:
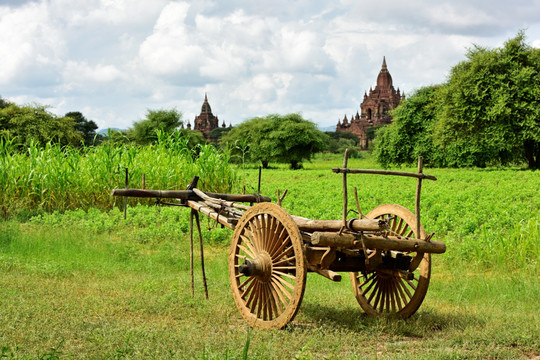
(266, 266)
(381, 292)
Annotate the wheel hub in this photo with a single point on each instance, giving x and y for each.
(260, 267)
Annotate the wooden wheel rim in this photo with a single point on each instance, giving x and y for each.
(379, 293)
(267, 235)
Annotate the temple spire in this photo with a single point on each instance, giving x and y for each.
(384, 67)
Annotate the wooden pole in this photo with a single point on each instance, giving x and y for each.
(345, 159)
(191, 250)
(417, 198)
(187, 195)
(125, 199)
(354, 241)
(310, 225)
(259, 185)
(202, 253)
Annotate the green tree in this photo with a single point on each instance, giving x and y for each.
(87, 128)
(410, 134)
(487, 113)
(282, 138)
(251, 140)
(491, 107)
(4, 103)
(295, 139)
(35, 123)
(145, 131)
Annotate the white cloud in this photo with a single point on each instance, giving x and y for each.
(113, 59)
(30, 44)
(83, 75)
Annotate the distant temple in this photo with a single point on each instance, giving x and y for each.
(205, 122)
(374, 108)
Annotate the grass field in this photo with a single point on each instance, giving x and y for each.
(92, 285)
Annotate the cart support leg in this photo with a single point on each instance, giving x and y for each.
(191, 252)
(201, 251)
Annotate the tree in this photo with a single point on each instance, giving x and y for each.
(34, 123)
(4, 103)
(491, 111)
(282, 138)
(410, 134)
(296, 140)
(251, 140)
(87, 128)
(144, 131)
(487, 113)
(341, 140)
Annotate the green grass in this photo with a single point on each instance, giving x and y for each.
(92, 285)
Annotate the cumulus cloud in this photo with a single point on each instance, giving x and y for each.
(115, 59)
(31, 47)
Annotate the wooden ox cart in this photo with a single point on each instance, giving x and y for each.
(387, 252)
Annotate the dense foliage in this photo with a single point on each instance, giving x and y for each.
(87, 128)
(340, 141)
(145, 131)
(33, 123)
(282, 138)
(487, 113)
(410, 134)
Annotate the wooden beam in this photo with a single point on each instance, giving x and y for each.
(187, 195)
(383, 172)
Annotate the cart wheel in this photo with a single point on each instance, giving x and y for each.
(266, 266)
(379, 292)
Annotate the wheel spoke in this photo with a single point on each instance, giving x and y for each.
(378, 297)
(248, 252)
(401, 298)
(368, 278)
(251, 236)
(281, 274)
(245, 282)
(283, 290)
(283, 261)
(249, 243)
(277, 291)
(374, 282)
(283, 253)
(272, 309)
(407, 291)
(258, 235)
(392, 302)
(278, 238)
(248, 289)
(399, 225)
(411, 284)
(252, 296)
(375, 290)
(392, 296)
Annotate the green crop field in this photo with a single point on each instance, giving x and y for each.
(85, 283)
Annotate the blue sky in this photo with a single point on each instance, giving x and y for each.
(114, 59)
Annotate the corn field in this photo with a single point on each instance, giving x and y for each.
(52, 177)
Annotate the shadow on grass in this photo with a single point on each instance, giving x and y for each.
(423, 324)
